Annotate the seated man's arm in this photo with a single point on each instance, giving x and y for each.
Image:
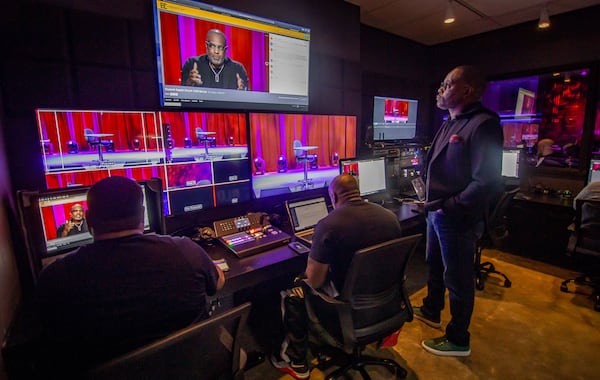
(221, 279)
(316, 273)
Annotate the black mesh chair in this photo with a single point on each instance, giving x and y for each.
(372, 305)
(495, 235)
(584, 247)
(209, 350)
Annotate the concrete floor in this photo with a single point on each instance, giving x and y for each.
(529, 331)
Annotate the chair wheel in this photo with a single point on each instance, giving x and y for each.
(507, 283)
(564, 288)
(479, 283)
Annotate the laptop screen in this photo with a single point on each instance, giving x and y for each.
(306, 214)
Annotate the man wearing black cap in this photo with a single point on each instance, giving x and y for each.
(123, 290)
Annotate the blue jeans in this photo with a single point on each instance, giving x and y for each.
(450, 254)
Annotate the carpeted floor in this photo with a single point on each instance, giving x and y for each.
(529, 331)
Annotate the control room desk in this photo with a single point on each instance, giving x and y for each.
(244, 273)
(538, 226)
(252, 270)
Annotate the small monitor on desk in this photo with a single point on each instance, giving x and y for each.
(53, 221)
(369, 172)
(594, 170)
(510, 163)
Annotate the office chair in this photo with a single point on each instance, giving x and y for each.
(494, 235)
(209, 350)
(372, 305)
(96, 143)
(302, 156)
(584, 246)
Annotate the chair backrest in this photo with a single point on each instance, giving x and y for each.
(298, 152)
(495, 220)
(206, 350)
(374, 289)
(586, 236)
(90, 140)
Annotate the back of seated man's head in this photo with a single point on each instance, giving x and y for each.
(343, 188)
(115, 204)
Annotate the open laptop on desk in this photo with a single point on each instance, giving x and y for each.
(304, 216)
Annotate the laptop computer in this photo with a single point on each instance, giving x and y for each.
(304, 216)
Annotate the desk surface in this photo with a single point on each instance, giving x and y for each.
(548, 199)
(252, 270)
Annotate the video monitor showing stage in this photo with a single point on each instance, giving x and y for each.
(213, 57)
(293, 153)
(195, 154)
(394, 119)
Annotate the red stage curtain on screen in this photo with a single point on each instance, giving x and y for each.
(274, 134)
(61, 127)
(183, 37)
(225, 125)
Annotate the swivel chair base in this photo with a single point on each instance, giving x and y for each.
(483, 270)
(359, 362)
(585, 281)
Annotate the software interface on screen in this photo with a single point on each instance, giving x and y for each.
(269, 64)
(510, 163)
(394, 118)
(370, 174)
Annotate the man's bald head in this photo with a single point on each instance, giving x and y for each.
(343, 189)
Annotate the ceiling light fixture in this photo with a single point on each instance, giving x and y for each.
(544, 19)
(449, 19)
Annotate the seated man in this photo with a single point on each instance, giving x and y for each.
(124, 290)
(75, 225)
(352, 225)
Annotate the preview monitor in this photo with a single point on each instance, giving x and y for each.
(594, 170)
(201, 157)
(54, 221)
(292, 153)
(510, 163)
(213, 57)
(394, 118)
(369, 172)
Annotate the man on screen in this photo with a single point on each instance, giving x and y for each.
(214, 69)
(75, 225)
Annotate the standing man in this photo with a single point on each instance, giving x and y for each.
(463, 174)
(124, 290)
(214, 69)
(76, 223)
(352, 225)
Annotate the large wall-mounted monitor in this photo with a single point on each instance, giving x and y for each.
(369, 172)
(394, 118)
(201, 157)
(297, 152)
(53, 221)
(256, 63)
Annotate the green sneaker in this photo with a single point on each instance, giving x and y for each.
(443, 347)
(418, 314)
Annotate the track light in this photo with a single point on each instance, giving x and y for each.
(544, 19)
(449, 19)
